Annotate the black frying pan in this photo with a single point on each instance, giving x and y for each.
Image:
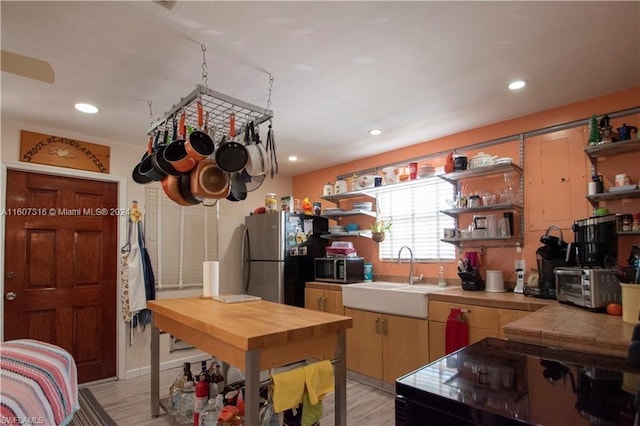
(231, 156)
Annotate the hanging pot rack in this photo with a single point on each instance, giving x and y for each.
(218, 107)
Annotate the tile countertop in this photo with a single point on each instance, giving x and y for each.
(550, 323)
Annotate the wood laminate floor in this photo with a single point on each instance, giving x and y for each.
(127, 402)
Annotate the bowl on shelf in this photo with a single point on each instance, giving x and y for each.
(365, 181)
(350, 227)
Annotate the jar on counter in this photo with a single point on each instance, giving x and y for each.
(627, 223)
(636, 223)
(270, 202)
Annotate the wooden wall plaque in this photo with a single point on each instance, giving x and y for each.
(63, 152)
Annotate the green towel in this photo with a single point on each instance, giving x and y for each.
(311, 414)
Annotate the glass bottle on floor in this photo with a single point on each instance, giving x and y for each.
(186, 404)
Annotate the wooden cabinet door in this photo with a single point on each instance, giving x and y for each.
(364, 343)
(557, 173)
(405, 345)
(437, 337)
(332, 302)
(312, 298)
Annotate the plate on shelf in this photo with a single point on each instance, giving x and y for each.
(623, 188)
(332, 210)
(503, 160)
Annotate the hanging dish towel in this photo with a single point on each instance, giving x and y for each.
(287, 389)
(457, 331)
(137, 293)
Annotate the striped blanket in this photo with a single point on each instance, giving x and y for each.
(38, 384)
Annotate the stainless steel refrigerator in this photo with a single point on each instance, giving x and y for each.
(278, 253)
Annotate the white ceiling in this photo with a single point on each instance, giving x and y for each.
(418, 70)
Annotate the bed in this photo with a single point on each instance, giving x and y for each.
(38, 383)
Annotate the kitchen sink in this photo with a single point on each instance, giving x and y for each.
(391, 298)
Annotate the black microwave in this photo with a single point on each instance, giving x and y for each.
(339, 269)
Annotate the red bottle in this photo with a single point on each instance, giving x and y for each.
(202, 398)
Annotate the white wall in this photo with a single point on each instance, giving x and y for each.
(133, 359)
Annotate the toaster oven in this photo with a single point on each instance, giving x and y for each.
(592, 288)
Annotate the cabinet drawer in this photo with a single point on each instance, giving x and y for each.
(477, 316)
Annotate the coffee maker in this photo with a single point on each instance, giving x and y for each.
(553, 254)
(595, 241)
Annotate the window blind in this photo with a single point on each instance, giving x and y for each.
(417, 221)
(179, 239)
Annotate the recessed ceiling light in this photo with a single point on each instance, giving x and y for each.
(293, 158)
(517, 84)
(87, 108)
(375, 132)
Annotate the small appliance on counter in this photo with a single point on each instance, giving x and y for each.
(551, 255)
(596, 238)
(339, 269)
(591, 288)
(502, 382)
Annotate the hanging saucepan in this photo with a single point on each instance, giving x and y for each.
(148, 171)
(176, 153)
(231, 156)
(137, 176)
(256, 154)
(207, 180)
(158, 160)
(199, 145)
(171, 187)
(185, 190)
(238, 187)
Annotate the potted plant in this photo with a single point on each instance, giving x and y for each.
(378, 229)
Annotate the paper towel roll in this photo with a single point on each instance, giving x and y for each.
(210, 275)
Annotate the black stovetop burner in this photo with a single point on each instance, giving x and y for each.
(500, 382)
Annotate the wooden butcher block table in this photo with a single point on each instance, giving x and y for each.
(258, 335)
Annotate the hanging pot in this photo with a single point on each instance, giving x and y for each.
(137, 176)
(199, 144)
(158, 160)
(257, 155)
(171, 187)
(231, 156)
(176, 153)
(207, 180)
(238, 188)
(185, 190)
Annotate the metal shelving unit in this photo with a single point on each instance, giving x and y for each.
(480, 172)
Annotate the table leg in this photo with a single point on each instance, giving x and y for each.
(252, 387)
(155, 371)
(340, 373)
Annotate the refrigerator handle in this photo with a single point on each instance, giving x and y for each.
(246, 256)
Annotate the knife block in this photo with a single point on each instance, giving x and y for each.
(471, 280)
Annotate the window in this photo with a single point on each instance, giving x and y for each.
(417, 222)
(179, 239)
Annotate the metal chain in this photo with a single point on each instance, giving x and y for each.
(204, 64)
(150, 113)
(269, 97)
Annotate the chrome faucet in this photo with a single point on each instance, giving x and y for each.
(411, 277)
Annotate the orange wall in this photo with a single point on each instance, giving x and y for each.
(311, 184)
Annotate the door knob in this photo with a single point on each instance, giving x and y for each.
(10, 296)
(10, 275)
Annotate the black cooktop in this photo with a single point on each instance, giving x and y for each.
(503, 382)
